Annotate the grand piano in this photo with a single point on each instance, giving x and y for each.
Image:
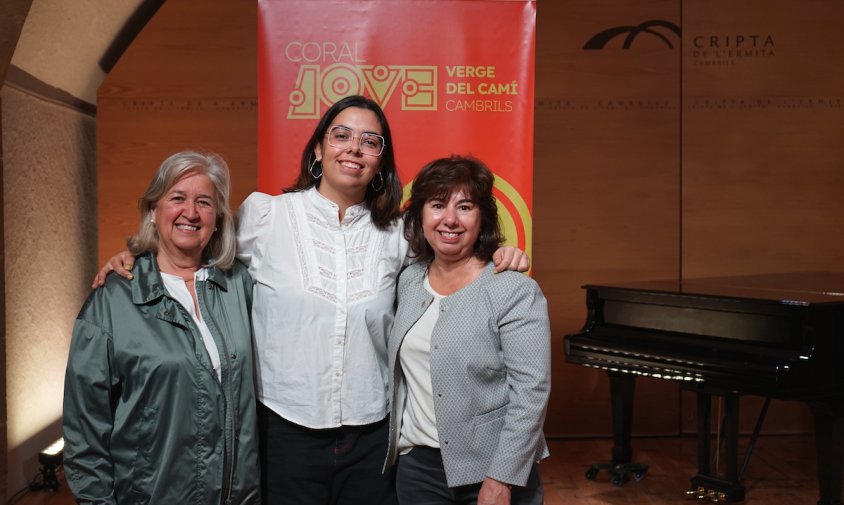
(777, 336)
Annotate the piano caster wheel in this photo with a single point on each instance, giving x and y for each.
(619, 473)
(619, 480)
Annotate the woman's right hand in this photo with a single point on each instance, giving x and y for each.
(494, 492)
(121, 263)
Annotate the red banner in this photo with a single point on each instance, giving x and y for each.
(453, 77)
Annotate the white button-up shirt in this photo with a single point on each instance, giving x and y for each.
(323, 306)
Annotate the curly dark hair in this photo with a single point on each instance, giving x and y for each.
(438, 180)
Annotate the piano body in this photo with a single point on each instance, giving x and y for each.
(777, 336)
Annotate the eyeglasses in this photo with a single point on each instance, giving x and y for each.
(368, 143)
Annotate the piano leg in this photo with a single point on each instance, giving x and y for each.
(829, 444)
(708, 483)
(622, 390)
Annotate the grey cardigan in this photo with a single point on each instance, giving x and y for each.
(491, 374)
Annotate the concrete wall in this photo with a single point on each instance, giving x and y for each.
(49, 195)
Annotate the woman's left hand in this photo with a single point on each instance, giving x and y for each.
(510, 258)
(494, 492)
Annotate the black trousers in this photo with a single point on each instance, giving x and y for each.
(340, 466)
(420, 480)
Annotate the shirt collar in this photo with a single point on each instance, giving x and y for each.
(329, 210)
(148, 284)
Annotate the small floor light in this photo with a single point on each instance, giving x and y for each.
(50, 459)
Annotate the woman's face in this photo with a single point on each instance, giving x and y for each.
(185, 218)
(451, 226)
(346, 170)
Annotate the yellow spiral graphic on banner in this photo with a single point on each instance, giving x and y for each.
(513, 212)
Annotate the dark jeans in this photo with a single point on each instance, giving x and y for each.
(420, 480)
(340, 466)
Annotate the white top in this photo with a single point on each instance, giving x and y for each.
(419, 422)
(178, 289)
(323, 306)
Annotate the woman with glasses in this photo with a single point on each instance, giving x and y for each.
(325, 256)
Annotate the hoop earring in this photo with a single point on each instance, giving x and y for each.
(380, 182)
(311, 169)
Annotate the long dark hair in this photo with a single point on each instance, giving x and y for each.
(383, 204)
(439, 179)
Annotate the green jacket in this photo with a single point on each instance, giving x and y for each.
(145, 418)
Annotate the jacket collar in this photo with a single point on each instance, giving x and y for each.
(149, 286)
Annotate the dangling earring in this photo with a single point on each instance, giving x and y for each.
(380, 182)
(311, 169)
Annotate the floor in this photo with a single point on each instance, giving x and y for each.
(781, 472)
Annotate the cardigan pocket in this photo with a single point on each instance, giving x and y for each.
(487, 426)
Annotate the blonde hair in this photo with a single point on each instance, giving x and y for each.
(221, 249)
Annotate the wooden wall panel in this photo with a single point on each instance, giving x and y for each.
(648, 163)
(187, 82)
(762, 137)
(763, 123)
(606, 186)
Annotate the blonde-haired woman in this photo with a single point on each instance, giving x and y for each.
(159, 402)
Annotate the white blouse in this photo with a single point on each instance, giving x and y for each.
(323, 306)
(419, 421)
(178, 289)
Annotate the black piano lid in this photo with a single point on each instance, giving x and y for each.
(793, 288)
(773, 334)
